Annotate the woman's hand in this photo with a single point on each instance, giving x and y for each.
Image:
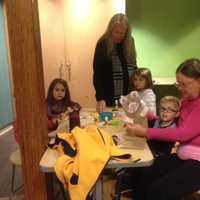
(136, 129)
(101, 105)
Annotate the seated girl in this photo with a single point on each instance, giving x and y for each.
(59, 103)
(142, 82)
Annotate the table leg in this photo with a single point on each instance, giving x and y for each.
(98, 189)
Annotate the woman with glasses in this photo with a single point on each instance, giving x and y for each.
(174, 176)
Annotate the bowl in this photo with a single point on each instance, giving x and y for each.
(105, 116)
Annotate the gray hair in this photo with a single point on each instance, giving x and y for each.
(190, 68)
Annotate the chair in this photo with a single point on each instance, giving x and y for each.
(15, 159)
(123, 185)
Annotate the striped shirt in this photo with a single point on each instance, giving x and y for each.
(117, 75)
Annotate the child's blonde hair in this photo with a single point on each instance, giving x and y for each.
(144, 73)
(171, 99)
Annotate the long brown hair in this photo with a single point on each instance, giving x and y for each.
(127, 43)
(50, 98)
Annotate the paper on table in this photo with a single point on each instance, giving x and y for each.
(87, 118)
(130, 142)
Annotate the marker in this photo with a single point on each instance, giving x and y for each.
(137, 160)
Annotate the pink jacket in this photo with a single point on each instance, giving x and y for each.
(187, 131)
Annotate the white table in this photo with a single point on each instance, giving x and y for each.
(50, 156)
(141, 157)
(146, 159)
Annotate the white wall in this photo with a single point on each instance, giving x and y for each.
(51, 14)
(69, 31)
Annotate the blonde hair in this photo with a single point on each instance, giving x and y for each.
(127, 43)
(171, 99)
(144, 73)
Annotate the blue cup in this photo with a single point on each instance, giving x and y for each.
(103, 116)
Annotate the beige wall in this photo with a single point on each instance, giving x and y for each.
(69, 32)
(51, 15)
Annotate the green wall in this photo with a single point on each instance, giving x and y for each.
(165, 32)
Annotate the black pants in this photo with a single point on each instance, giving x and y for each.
(169, 178)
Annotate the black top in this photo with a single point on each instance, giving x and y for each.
(159, 148)
(103, 73)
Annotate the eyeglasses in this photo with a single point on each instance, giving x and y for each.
(183, 85)
(168, 110)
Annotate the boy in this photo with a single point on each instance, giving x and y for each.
(168, 115)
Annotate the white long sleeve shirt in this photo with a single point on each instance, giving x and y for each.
(149, 97)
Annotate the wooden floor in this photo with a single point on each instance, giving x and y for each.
(17, 197)
(7, 146)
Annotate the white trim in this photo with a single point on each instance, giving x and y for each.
(6, 130)
(164, 80)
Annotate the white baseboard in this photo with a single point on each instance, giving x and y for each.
(6, 130)
(164, 80)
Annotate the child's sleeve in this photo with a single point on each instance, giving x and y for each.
(51, 125)
(151, 116)
(150, 100)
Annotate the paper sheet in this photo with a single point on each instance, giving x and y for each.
(130, 142)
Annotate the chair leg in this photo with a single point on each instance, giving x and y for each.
(117, 195)
(13, 189)
(13, 180)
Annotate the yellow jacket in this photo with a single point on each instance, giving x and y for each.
(84, 157)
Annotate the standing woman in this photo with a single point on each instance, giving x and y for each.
(174, 176)
(114, 61)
